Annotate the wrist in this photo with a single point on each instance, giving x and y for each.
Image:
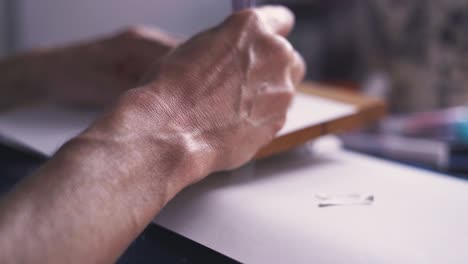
(151, 152)
(119, 171)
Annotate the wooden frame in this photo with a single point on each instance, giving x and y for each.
(369, 110)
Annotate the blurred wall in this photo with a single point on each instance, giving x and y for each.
(2, 28)
(52, 22)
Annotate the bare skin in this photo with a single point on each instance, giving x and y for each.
(207, 106)
(92, 73)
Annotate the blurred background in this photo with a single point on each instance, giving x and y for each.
(31, 23)
(415, 47)
(412, 53)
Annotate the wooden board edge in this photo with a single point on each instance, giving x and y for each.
(341, 95)
(369, 110)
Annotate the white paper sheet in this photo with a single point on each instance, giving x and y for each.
(267, 212)
(45, 128)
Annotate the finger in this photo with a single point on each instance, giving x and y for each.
(155, 34)
(296, 64)
(277, 19)
(298, 68)
(148, 35)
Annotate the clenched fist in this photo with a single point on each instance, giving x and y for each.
(208, 105)
(215, 100)
(97, 72)
(90, 73)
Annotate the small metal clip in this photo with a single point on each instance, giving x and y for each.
(344, 199)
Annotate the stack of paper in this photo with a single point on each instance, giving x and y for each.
(45, 128)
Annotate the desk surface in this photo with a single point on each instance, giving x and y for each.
(418, 217)
(267, 212)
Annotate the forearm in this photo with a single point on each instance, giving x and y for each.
(202, 112)
(20, 78)
(90, 201)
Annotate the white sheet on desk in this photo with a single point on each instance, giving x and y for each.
(266, 212)
(307, 110)
(46, 127)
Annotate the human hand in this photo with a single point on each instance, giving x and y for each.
(208, 106)
(97, 72)
(213, 102)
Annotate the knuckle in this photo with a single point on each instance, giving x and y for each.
(277, 124)
(247, 17)
(299, 68)
(288, 96)
(247, 20)
(280, 47)
(280, 122)
(299, 60)
(133, 31)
